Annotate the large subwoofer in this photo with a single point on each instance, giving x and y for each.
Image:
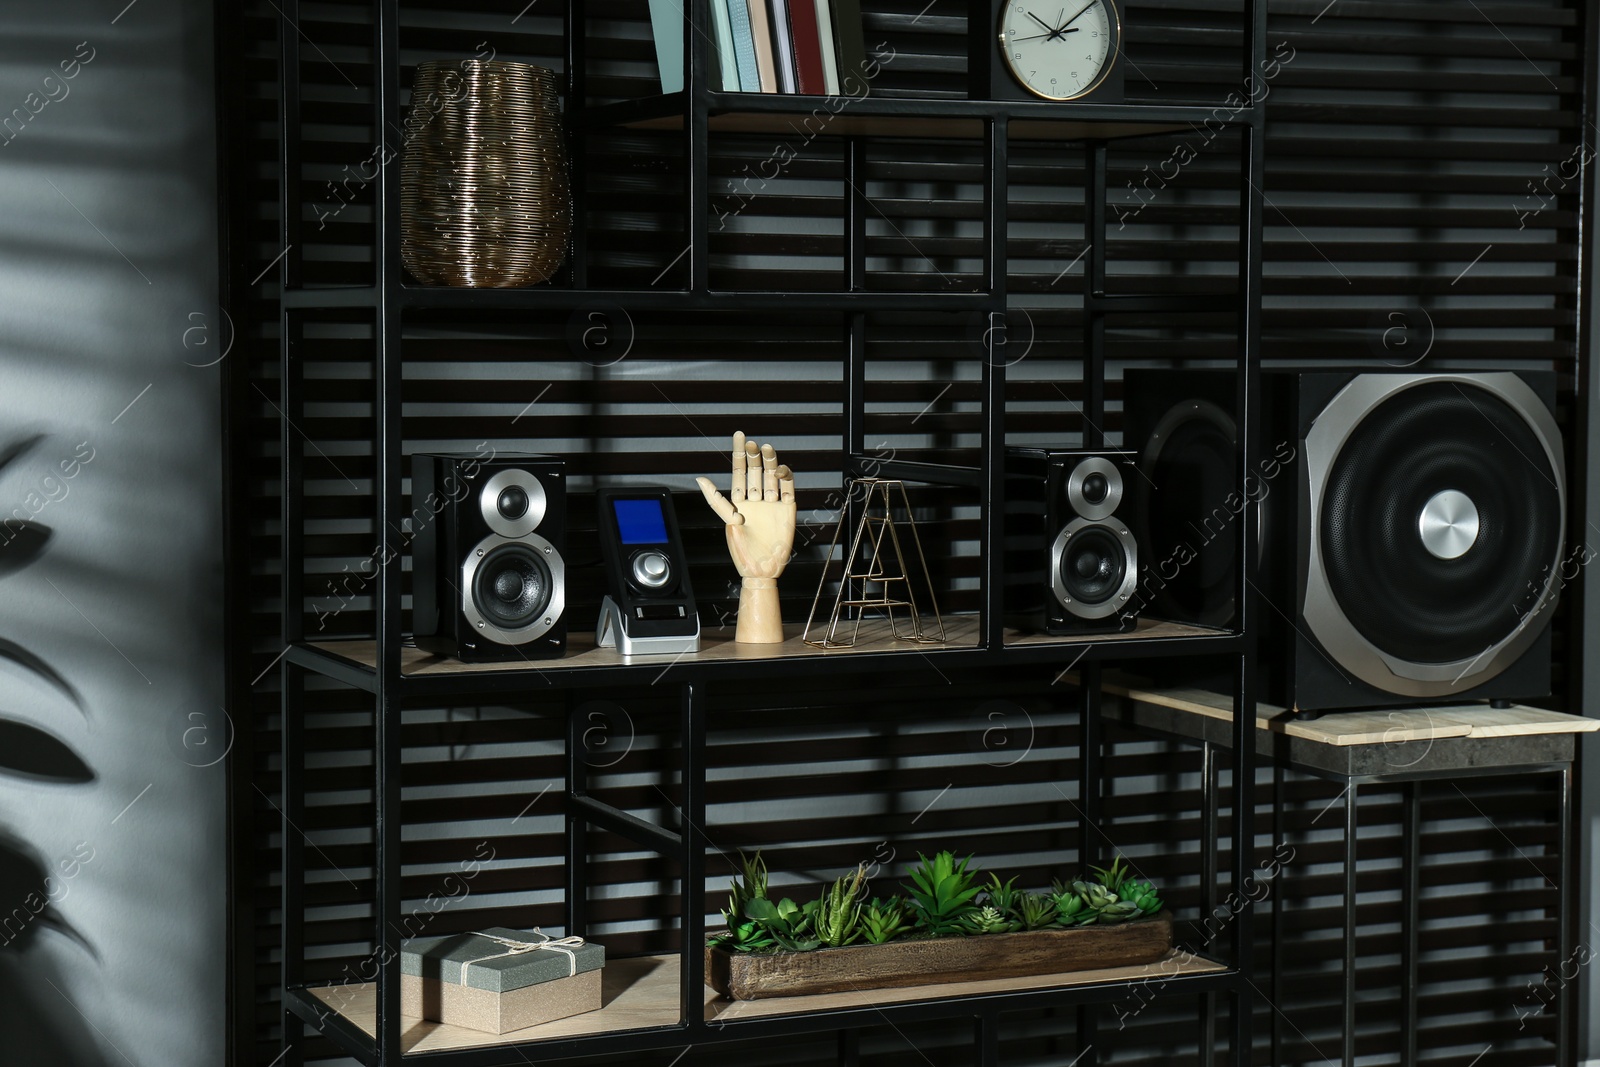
(1413, 530)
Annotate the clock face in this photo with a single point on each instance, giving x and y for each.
(1060, 51)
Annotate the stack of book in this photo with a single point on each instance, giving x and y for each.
(809, 47)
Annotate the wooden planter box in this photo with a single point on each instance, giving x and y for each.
(747, 976)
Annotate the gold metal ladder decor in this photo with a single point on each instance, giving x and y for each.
(876, 557)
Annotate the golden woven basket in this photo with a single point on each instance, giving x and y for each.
(484, 199)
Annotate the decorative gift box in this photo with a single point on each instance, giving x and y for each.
(499, 980)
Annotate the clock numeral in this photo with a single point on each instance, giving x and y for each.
(1019, 55)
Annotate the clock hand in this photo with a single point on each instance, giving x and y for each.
(1049, 28)
(1079, 15)
(1036, 37)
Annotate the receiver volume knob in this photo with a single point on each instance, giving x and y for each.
(652, 570)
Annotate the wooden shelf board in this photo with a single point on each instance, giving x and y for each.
(961, 631)
(913, 127)
(1373, 727)
(642, 993)
(1145, 629)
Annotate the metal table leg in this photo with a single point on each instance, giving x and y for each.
(1411, 864)
(1350, 857)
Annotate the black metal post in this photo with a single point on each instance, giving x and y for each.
(1566, 946)
(577, 130)
(1279, 831)
(1094, 314)
(1410, 916)
(293, 849)
(1209, 873)
(992, 535)
(697, 144)
(693, 829)
(292, 535)
(1351, 857)
(986, 1038)
(1091, 813)
(388, 457)
(577, 827)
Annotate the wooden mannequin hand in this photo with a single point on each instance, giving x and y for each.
(760, 528)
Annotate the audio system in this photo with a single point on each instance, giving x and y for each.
(489, 581)
(1411, 527)
(650, 608)
(1072, 563)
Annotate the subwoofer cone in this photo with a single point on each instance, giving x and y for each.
(1424, 466)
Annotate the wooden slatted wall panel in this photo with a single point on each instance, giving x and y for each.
(1420, 160)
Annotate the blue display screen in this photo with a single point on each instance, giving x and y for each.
(640, 522)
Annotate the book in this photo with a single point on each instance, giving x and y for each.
(807, 48)
(761, 30)
(666, 25)
(850, 39)
(830, 59)
(727, 62)
(783, 46)
(744, 45)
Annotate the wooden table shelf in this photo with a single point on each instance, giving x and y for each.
(641, 993)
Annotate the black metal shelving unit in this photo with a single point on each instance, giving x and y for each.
(1078, 128)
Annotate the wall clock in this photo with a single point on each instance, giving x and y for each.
(1058, 49)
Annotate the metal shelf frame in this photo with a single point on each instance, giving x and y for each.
(390, 297)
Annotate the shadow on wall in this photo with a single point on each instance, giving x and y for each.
(30, 754)
(112, 879)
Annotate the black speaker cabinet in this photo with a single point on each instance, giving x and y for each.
(489, 581)
(1412, 530)
(1072, 563)
(1181, 425)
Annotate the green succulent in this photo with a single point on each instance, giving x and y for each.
(751, 884)
(1035, 911)
(988, 920)
(1114, 876)
(791, 926)
(942, 893)
(1121, 911)
(1144, 896)
(1002, 896)
(1071, 909)
(884, 920)
(838, 913)
(744, 934)
(1096, 896)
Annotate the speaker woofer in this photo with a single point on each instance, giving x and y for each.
(1094, 567)
(513, 591)
(1402, 469)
